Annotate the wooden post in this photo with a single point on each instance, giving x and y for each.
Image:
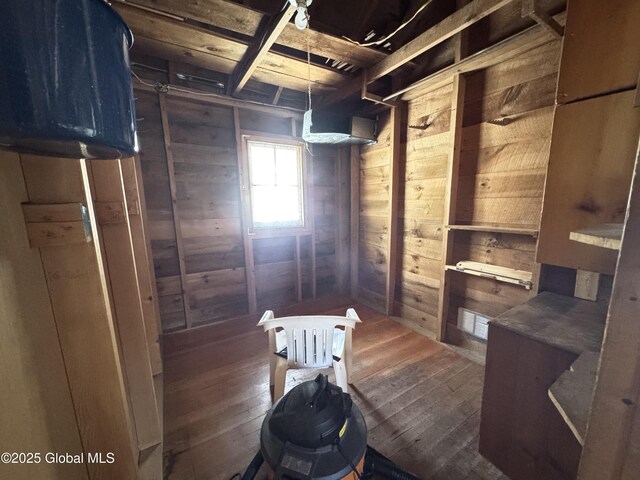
(298, 270)
(146, 283)
(174, 205)
(355, 217)
(587, 284)
(249, 267)
(611, 450)
(80, 305)
(342, 224)
(394, 189)
(450, 200)
(310, 214)
(145, 223)
(107, 187)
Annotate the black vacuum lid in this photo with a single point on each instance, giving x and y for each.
(311, 415)
(314, 432)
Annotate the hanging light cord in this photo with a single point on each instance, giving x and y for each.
(306, 144)
(309, 70)
(388, 37)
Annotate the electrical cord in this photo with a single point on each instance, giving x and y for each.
(234, 476)
(388, 37)
(350, 462)
(165, 87)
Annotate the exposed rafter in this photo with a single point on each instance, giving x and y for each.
(500, 52)
(246, 21)
(256, 54)
(181, 42)
(454, 23)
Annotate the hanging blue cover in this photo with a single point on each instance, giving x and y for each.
(65, 80)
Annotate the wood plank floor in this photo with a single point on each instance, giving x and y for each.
(421, 400)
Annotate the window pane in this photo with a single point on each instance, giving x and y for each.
(262, 160)
(287, 166)
(276, 184)
(273, 205)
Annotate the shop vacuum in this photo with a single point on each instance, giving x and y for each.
(315, 432)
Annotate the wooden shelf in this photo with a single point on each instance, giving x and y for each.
(608, 235)
(572, 393)
(495, 272)
(495, 229)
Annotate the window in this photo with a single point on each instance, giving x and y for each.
(276, 186)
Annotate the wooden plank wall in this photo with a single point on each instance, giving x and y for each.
(208, 201)
(506, 138)
(423, 190)
(508, 111)
(507, 121)
(375, 161)
(203, 153)
(325, 206)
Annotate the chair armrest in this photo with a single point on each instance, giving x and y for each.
(351, 313)
(268, 315)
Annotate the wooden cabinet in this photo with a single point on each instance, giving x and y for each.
(590, 165)
(600, 53)
(595, 131)
(529, 347)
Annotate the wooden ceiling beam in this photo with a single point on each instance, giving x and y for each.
(454, 23)
(262, 44)
(244, 20)
(497, 53)
(181, 42)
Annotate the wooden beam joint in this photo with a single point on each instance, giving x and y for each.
(531, 9)
(366, 95)
(264, 40)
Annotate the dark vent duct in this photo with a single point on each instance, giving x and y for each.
(65, 81)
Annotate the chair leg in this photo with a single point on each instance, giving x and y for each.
(280, 380)
(348, 353)
(340, 371)
(272, 370)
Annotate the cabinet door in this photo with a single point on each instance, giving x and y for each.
(593, 149)
(601, 51)
(521, 432)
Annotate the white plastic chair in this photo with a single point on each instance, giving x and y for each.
(311, 341)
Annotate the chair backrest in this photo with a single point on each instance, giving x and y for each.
(309, 337)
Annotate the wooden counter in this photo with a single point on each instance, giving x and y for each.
(529, 348)
(567, 323)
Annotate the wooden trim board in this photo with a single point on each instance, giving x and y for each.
(174, 207)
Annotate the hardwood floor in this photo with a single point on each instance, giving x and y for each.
(421, 400)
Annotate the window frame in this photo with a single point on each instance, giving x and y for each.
(247, 191)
